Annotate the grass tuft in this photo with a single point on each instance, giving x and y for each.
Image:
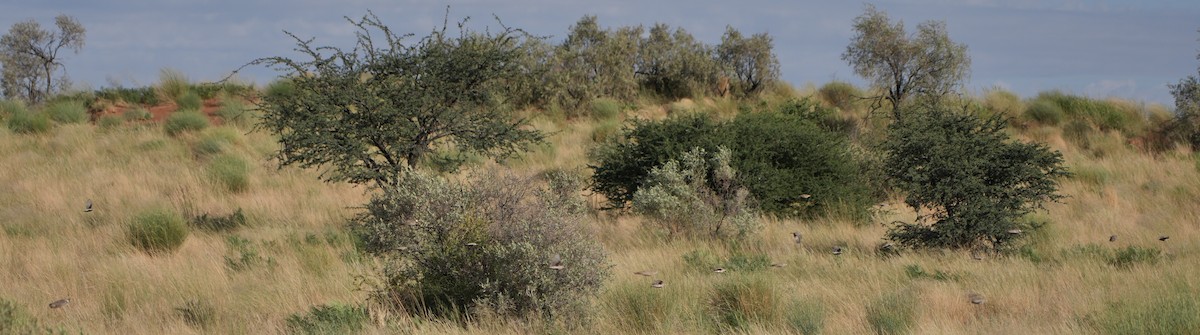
(158, 231)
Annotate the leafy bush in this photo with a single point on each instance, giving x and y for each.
(780, 157)
(483, 246)
(230, 171)
(28, 122)
(328, 319)
(158, 231)
(971, 183)
(67, 111)
(137, 114)
(1045, 112)
(216, 223)
(893, 313)
(840, 94)
(185, 121)
(189, 101)
(678, 197)
(738, 302)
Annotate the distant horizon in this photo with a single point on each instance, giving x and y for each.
(1123, 48)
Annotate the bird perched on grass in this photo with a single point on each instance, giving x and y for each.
(87, 208)
(837, 251)
(657, 284)
(719, 270)
(797, 237)
(1163, 238)
(472, 244)
(1112, 238)
(976, 298)
(556, 263)
(60, 303)
(778, 265)
(1015, 231)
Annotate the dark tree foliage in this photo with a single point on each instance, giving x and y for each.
(673, 64)
(970, 183)
(1187, 110)
(780, 156)
(371, 111)
(751, 61)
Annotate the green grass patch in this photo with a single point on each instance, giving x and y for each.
(805, 316)
(189, 101)
(10, 107)
(110, 122)
(136, 114)
(742, 301)
(185, 121)
(1133, 255)
(328, 319)
(605, 109)
(1045, 112)
(893, 313)
(230, 171)
(1176, 312)
(67, 111)
(158, 231)
(28, 122)
(197, 313)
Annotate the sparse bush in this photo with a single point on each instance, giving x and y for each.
(67, 111)
(678, 197)
(738, 302)
(197, 313)
(136, 114)
(185, 121)
(840, 94)
(893, 313)
(805, 316)
(216, 223)
(230, 171)
(158, 231)
(189, 101)
(1045, 112)
(484, 247)
(28, 122)
(328, 319)
(109, 122)
(242, 255)
(605, 109)
(172, 84)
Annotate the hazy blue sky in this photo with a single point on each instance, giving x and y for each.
(1123, 48)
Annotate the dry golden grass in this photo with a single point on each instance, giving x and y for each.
(52, 249)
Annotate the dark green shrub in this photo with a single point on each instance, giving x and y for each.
(451, 248)
(189, 101)
(230, 171)
(893, 313)
(217, 223)
(328, 319)
(158, 231)
(28, 122)
(840, 94)
(738, 302)
(1045, 112)
(67, 111)
(780, 157)
(185, 121)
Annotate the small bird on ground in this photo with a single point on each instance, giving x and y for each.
(977, 255)
(719, 270)
(837, 250)
(976, 298)
(556, 263)
(472, 244)
(60, 303)
(87, 208)
(646, 273)
(1163, 238)
(778, 265)
(1014, 231)
(797, 237)
(1112, 238)
(657, 284)
(805, 196)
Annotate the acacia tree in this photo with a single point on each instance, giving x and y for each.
(926, 64)
(674, 64)
(1187, 109)
(31, 58)
(970, 183)
(370, 113)
(750, 60)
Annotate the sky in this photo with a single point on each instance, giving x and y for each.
(1116, 48)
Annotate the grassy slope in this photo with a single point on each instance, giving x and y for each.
(52, 249)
